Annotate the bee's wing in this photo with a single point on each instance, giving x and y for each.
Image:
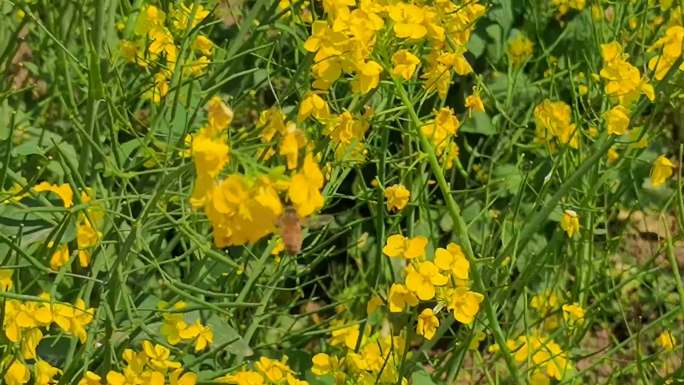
(317, 221)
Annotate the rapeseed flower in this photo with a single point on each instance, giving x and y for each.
(520, 48)
(399, 246)
(6, 279)
(397, 197)
(453, 261)
(17, 374)
(304, 191)
(423, 279)
(465, 304)
(666, 340)
(427, 324)
(570, 223)
(661, 171)
(63, 191)
(400, 298)
(405, 64)
(617, 120)
(623, 81)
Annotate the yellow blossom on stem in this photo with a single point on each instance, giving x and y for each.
(405, 64)
(666, 340)
(399, 246)
(453, 260)
(63, 191)
(661, 171)
(427, 324)
(17, 374)
(400, 298)
(45, 373)
(573, 313)
(474, 103)
(423, 280)
(60, 257)
(304, 191)
(313, 105)
(465, 304)
(570, 223)
(219, 116)
(368, 77)
(520, 48)
(397, 197)
(617, 120)
(90, 378)
(6, 279)
(246, 377)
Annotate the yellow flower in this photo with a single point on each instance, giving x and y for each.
(209, 155)
(453, 260)
(45, 373)
(570, 223)
(86, 237)
(219, 116)
(617, 120)
(203, 44)
(63, 191)
(203, 335)
(158, 356)
(29, 343)
(313, 105)
(464, 303)
(553, 119)
(397, 197)
(346, 335)
(666, 340)
(374, 304)
(173, 323)
(573, 313)
(273, 370)
(305, 186)
(399, 246)
(427, 324)
(623, 81)
(246, 377)
(474, 103)
(292, 141)
(180, 16)
(161, 42)
(422, 281)
(662, 170)
(90, 378)
(150, 17)
(400, 298)
(405, 64)
(159, 89)
(408, 21)
(612, 155)
(60, 257)
(17, 374)
(324, 364)
(177, 377)
(520, 48)
(670, 46)
(368, 77)
(73, 319)
(6, 279)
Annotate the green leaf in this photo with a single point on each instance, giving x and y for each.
(479, 123)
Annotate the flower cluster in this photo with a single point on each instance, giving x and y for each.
(624, 83)
(152, 365)
(441, 132)
(245, 208)
(544, 356)
(176, 329)
(155, 44)
(564, 6)
(24, 324)
(377, 360)
(444, 281)
(669, 48)
(266, 371)
(553, 119)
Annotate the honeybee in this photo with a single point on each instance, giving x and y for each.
(292, 226)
